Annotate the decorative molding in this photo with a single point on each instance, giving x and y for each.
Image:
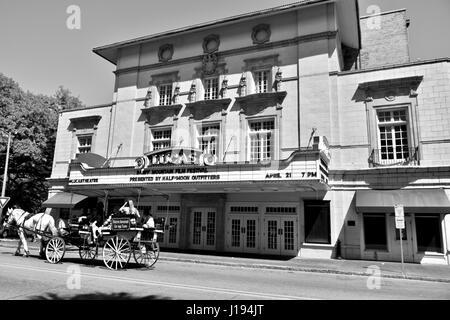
(388, 89)
(219, 70)
(93, 118)
(237, 51)
(209, 64)
(390, 96)
(224, 88)
(243, 86)
(176, 94)
(264, 62)
(261, 33)
(161, 78)
(172, 110)
(440, 141)
(165, 53)
(148, 98)
(208, 107)
(193, 92)
(278, 80)
(261, 101)
(211, 43)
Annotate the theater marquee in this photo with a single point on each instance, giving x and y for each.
(308, 167)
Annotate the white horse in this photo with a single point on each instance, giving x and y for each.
(40, 222)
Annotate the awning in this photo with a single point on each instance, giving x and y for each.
(63, 200)
(414, 201)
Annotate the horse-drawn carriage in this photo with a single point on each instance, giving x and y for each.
(119, 240)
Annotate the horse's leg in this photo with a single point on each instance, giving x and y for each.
(19, 244)
(25, 244)
(42, 245)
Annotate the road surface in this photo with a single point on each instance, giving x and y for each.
(32, 278)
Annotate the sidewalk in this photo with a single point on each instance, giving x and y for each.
(436, 273)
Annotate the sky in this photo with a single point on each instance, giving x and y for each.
(40, 52)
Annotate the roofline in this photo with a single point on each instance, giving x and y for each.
(382, 13)
(254, 14)
(392, 66)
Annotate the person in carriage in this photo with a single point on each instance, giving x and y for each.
(94, 221)
(128, 210)
(148, 224)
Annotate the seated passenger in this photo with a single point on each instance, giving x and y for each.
(148, 223)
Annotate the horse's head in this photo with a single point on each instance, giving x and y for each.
(9, 217)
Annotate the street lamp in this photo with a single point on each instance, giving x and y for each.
(5, 174)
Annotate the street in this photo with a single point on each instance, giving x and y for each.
(32, 278)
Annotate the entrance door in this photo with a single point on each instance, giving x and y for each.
(203, 228)
(280, 235)
(171, 235)
(242, 233)
(407, 240)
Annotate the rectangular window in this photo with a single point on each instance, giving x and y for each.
(317, 222)
(262, 81)
(428, 233)
(165, 94)
(211, 88)
(261, 140)
(393, 136)
(208, 138)
(84, 144)
(161, 139)
(375, 237)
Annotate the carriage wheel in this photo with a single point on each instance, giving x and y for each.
(55, 249)
(116, 252)
(146, 254)
(86, 251)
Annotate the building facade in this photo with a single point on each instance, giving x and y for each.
(289, 131)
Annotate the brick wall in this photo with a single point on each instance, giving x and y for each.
(384, 39)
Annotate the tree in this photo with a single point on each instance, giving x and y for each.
(32, 119)
(65, 99)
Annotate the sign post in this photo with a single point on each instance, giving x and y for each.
(400, 224)
(5, 175)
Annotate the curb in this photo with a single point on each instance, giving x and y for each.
(271, 267)
(303, 269)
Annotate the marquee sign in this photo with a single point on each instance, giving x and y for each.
(174, 156)
(307, 168)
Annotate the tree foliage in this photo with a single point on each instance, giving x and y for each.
(32, 119)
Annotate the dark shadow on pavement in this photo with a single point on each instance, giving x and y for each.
(98, 296)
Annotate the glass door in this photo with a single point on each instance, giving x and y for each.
(203, 228)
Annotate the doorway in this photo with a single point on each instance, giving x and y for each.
(203, 228)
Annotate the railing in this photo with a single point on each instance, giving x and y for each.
(385, 157)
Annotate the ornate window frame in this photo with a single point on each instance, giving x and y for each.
(391, 94)
(162, 79)
(253, 65)
(84, 126)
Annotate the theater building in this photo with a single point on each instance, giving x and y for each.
(292, 131)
